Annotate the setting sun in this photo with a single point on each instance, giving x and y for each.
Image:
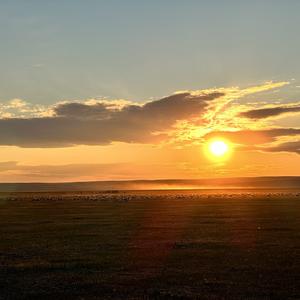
(218, 148)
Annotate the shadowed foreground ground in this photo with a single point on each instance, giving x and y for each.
(150, 245)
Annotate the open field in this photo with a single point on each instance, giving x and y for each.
(234, 244)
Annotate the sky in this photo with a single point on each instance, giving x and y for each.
(100, 90)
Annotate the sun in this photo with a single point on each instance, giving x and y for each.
(218, 148)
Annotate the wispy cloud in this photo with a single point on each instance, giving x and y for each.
(273, 111)
(254, 137)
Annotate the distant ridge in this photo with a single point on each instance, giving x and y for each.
(286, 182)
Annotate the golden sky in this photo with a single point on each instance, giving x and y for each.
(102, 139)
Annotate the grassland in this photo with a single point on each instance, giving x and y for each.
(150, 245)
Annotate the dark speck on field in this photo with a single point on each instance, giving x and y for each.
(235, 244)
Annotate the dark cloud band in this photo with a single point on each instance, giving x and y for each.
(254, 137)
(284, 147)
(269, 112)
(99, 124)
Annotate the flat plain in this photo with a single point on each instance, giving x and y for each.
(193, 244)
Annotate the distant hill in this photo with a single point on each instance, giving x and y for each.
(287, 182)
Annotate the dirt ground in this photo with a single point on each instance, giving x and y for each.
(150, 245)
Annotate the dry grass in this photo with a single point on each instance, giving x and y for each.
(150, 245)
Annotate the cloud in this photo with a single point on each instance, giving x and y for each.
(98, 111)
(9, 170)
(74, 123)
(254, 137)
(174, 107)
(269, 112)
(72, 170)
(22, 109)
(91, 171)
(184, 117)
(17, 103)
(284, 147)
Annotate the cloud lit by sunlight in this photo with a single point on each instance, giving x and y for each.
(174, 127)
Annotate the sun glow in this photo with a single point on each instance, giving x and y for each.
(218, 149)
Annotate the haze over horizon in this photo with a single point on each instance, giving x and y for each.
(132, 90)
